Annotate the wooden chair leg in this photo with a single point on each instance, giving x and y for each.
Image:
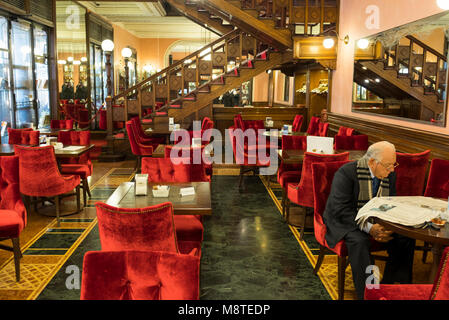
(319, 260)
(85, 191)
(87, 188)
(17, 256)
(137, 164)
(424, 253)
(303, 224)
(57, 211)
(78, 199)
(341, 277)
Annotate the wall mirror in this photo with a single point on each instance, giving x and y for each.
(402, 72)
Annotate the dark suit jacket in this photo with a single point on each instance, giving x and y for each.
(341, 207)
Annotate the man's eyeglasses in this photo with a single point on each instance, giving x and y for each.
(389, 166)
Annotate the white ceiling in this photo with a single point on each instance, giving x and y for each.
(147, 20)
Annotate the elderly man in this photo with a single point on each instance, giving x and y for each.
(354, 184)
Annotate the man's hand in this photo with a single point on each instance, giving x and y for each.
(379, 233)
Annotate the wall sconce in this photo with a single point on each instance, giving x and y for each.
(329, 42)
(107, 46)
(126, 54)
(443, 4)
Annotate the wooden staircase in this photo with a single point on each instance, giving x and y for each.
(416, 69)
(195, 81)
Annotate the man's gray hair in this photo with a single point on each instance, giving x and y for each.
(375, 150)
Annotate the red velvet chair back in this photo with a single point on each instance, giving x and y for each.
(164, 170)
(297, 123)
(411, 173)
(76, 138)
(305, 185)
(322, 176)
(61, 124)
(23, 136)
(10, 198)
(39, 173)
(438, 181)
(294, 142)
(344, 131)
(140, 275)
(132, 138)
(357, 142)
(313, 129)
(238, 122)
(322, 129)
(15, 135)
(149, 228)
(206, 124)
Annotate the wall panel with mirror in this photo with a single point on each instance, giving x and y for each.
(403, 72)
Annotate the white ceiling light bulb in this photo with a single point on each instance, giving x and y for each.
(107, 45)
(328, 43)
(127, 53)
(70, 59)
(443, 4)
(83, 59)
(363, 43)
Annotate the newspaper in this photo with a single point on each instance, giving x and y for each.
(407, 211)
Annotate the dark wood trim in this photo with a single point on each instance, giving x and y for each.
(10, 8)
(405, 139)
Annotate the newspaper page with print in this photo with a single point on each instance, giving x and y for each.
(407, 211)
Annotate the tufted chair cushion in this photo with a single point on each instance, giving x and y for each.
(39, 173)
(140, 275)
(23, 136)
(61, 124)
(13, 216)
(438, 181)
(149, 228)
(297, 123)
(15, 135)
(356, 142)
(164, 170)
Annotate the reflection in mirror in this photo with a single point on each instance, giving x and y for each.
(72, 52)
(403, 71)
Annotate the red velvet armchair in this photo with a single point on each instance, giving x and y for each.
(290, 173)
(323, 128)
(13, 216)
(302, 193)
(143, 137)
(312, 129)
(81, 166)
(40, 176)
(248, 124)
(439, 290)
(344, 131)
(297, 123)
(138, 149)
(204, 135)
(149, 228)
(140, 275)
(23, 136)
(356, 142)
(411, 173)
(176, 154)
(438, 181)
(164, 171)
(61, 124)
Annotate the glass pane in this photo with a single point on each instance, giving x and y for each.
(92, 71)
(41, 69)
(23, 74)
(5, 93)
(98, 77)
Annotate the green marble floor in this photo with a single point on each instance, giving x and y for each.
(248, 251)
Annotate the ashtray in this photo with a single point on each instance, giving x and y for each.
(161, 191)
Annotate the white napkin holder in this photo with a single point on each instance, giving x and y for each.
(196, 142)
(58, 145)
(161, 191)
(141, 185)
(187, 191)
(290, 128)
(269, 122)
(51, 141)
(171, 120)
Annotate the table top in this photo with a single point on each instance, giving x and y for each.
(52, 132)
(429, 235)
(159, 152)
(162, 129)
(297, 156)
(76, 151)
(280, 133)
(198, 204)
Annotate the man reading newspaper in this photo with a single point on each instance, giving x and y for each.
(355, 184)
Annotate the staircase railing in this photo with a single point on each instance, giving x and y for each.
(182, 80)
(421, 63)
(309, 17)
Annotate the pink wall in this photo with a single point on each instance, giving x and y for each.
(153, 51)
(352, 22)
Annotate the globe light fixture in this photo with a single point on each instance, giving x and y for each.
(363, 44)
(127, 53)
(107, 45)
(443, 4)
(328, 43)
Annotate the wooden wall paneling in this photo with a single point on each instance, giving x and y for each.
(405, 139)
